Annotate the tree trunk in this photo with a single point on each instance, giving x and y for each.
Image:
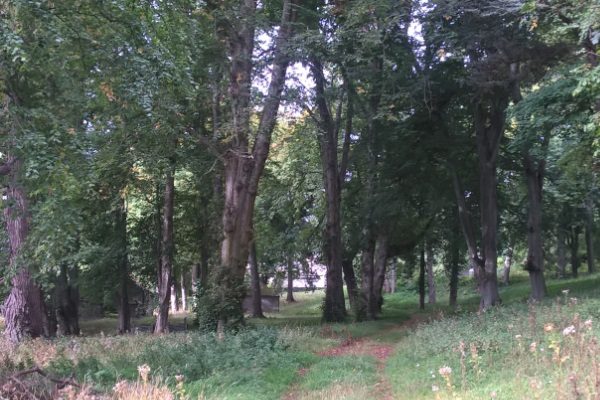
(203, 270)
(389, 285)
(508, 261)
(124, 317)
(176, 291)
(381, 257)
(367, 281)
(195, 277)
(534, 173)
(454, 267)
(488, 280)
(422, 279)
(561, 252)
(184, 291)
(257, 311)
(67, 300)
(290, 280)
(23, 309)
(430, 272)
(574, 242)
(589, 234)
(334, 308)
(242, 168)
(352, 287)
(166, 267)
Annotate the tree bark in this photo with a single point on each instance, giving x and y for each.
(380, 264)
(367, 281)
(243, 168)
(534, 173)
(166, 265)
(454, 267)
(489, 127)
(561, 252)
(67, 300)
(257, 311)
(589, 234)
(184, 291)
(176, 291)
(389, 285)
(574, 244)
(352, 287)
(508, 261)
(290, 280)
(430, 273)
(422, 279)
(124, 317)
(334, 308)
(24, 308)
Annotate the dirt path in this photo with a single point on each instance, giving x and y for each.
(368, 346)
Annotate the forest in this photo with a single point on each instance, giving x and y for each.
(299, 199)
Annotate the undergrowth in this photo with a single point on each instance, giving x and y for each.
(536, 351)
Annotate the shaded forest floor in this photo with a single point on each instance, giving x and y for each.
(519, 350)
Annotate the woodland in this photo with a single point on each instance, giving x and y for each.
(425, 169)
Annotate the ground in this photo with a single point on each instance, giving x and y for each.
(519, 350)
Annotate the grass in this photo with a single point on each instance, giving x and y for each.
(490, 355)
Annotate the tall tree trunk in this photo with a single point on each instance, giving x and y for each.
(430, 272)
(257, 311)
(508, 261)
(184, 291)
(589, 234)
(561, 252)
(352, 287)
(203, 270)
(380, 264)
(367, 281)
(67, 300)
(195, 277)
(124, 317)
(24, 308)
(243, 168)
(290, 280)
(422, 279)
(574, 244)
(389, 285)
(534, 173)
(489, 126)
(166, 267)
(454, 266)
(334, 308)
(176, 291)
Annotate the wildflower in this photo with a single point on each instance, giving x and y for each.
(548, 327)
(569, 330)
(179, 378)
(565, 292)
(588, 324)
(120, 386)
(445, 371)
(493, 395)
(573, 301)
(144, 370)
(518, 337)
(435, 388)
(532, 347)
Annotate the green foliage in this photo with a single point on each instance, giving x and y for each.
(220, 302)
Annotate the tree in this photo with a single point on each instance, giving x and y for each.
(243, 165)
